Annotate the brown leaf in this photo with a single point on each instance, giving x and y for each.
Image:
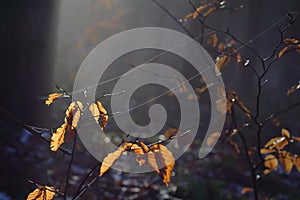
(110, 159)
(285, 133)
(103, 114)
(287, 160)
(297, 163)
(210, 11)
(265, 151)
(221, 47)
(221, 61)
(291, 40)
(188, 16)
(296, 138)
(201, 8)
(293, 89)
(42, 193)
(160, 151)
(212, 139)
(57, 138)
(283, 51)
(277, 143)
(170, 132)
(52, 98)
(95, 111)
(195, 15)
(246, 190)
(271, 163)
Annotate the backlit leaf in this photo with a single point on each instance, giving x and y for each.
(246, 190)
(286, 160)
(283, 51)
(94, 111)
(201, 8)
(221, 61)
(210, 11)
(265, 151)
(188, 16)
(42, 193)
(271, 163)
(285, 133)
(297, 163)
(291, 40)
(213, 39)
(111, 158)
(103, 114)
(277, 143)
(170, 132)
(57, 138)
(195, 15)
(52, 98)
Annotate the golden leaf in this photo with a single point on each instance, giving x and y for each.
(291, 40)
(221, 61)
(201, 8)
(76, 114)
(285, 133)
(42, 193)
(52, 98)
(95, 111)
(286, 160)
(103, 114)
(170, 132)
(283, 51)
(195, 15)
(293, 89)
(265, 151)
(110, 159)
(160, 151)
(297, 163)
(210, 11)
(277, 143)
(212, 139)
(246, 190)
(271, 163)
(296, 138)
(188, 16)
(57, 138)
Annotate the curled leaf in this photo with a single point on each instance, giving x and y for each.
(287, 160)
(52, 98)
(57, 138)
(201, 8)
(291, 40)
(285, 133)
(221, 61)
(277, 143)
(103, 114)
(209, 12)
(283, 51)
(271, 163)
(42, 193)
(246, 190)
(293, 89)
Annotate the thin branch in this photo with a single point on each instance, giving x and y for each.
(33, 130)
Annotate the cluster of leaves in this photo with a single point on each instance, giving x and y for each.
(276, 145)
(156, 155)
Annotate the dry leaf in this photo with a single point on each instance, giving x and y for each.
(275, 121)
(57, 138)
(286, 160)
(201, 8)
(277, 143)
(297, 163)
(52, 98)
(246, 190)
(112, 157)
(195, 15)
(188, 16)
(103, 114)
(293, 89)
(95, 111)
(283, 51)
(221, 47)
(210, 11)
(42, 193)
(265, 151)
(271, 163)
(212, 139)
(221, 61)
(291, 40)
(170, 132)
(161, 152)
(285, 133)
